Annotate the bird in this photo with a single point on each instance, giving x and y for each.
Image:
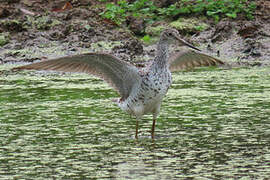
(141, 90)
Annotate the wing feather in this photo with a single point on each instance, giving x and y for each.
(121, 75)
(187, 59)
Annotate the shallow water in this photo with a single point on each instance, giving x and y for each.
(213, 124)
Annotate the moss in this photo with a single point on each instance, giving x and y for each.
(155, 31)
(105, 45)
(191, 25)
(4, 39)
(41, 23)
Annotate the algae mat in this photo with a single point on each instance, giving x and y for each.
(213, 124)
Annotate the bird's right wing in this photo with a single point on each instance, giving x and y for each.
(188, 59)
(121, 75)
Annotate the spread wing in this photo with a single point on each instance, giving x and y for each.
(121, 75)
(188, 59)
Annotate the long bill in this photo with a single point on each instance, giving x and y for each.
(183, 42)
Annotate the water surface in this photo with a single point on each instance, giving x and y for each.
(213, 124)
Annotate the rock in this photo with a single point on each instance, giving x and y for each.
(263, 10)
(82, 2)
(60, 6)
(4, 12)
(252, 48)
(28, 2)
(13, 1)
(223, 31)
(56, 35)
(248, 30)
(132, 47)
(12, 25)
(136, 25)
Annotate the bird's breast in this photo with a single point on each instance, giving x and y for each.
(147, 97)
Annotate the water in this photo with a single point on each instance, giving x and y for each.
(213, 124)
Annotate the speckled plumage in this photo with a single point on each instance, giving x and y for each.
(141, 91)
(154, 84)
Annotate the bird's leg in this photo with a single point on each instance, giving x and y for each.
(155, 114)
(137, 126)
(153, 127)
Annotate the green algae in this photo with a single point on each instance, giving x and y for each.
(189, 25)
(213, 124)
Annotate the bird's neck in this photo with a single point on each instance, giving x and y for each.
(161, 59)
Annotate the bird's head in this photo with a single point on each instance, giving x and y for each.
(171, 35)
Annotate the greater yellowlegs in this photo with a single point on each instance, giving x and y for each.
(141, 90)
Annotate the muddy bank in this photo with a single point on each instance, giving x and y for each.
(34, 30)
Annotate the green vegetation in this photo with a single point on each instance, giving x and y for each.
(217, 9)
(4, 39)
(146, 9)
(118, 12)
(146, 38)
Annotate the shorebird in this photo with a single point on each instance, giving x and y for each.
(141, 90)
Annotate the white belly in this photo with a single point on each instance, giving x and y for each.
(147, 99)
(139, 108)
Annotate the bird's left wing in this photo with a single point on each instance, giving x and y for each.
(121, 75)
(188, 59)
